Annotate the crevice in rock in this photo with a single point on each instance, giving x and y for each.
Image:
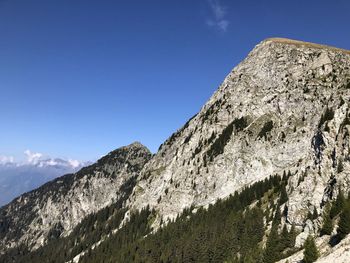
(317, 144)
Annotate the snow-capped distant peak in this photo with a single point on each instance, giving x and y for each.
(17, 177)
(40, 160)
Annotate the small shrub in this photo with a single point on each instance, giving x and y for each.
(340, 167)
(240, 123)
(347, 86)
(344, 222)
(327, 116)
(268, 126)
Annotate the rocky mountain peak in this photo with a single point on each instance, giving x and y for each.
(132, 154)
(128, 149)
(135, 146)
(267, 117)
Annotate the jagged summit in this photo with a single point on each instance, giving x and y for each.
(135, 144)
(303, 43)
(133, 147)
(127, 148)
(130, 147)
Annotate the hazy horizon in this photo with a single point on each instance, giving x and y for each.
(79, 79)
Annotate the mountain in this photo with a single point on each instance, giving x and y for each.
(58, 206)
(18, 178)
(260, 169)
(284, 108)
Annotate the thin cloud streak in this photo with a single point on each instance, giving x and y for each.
(218, 19)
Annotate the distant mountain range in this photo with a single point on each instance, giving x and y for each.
(18, 178)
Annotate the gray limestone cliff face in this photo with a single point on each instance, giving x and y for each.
(284, 108)
(54, 209)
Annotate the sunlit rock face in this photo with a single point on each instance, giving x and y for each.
(284, 108)
(54, 209)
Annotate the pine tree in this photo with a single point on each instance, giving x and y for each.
(285, 211)
(284, 177)
(344, 222)
(311, 252)
(338, 205)
(309, 215)
(277, 218)
(284, 195)
(314, 214)
(273, 248)
(340, 167)
(271, 253)
(291, 237)
(327, 226)
(284, 238)
(249, 259)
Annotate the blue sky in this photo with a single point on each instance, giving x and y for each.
(80, 78)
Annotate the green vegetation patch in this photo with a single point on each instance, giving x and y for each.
(268, 126)
(327, 116)
(219, 144)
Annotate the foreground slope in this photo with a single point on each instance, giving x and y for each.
(54, 209)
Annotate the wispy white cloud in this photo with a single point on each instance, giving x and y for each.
(218, 18)
(74, 163)
(33, 158)
(6, 159)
